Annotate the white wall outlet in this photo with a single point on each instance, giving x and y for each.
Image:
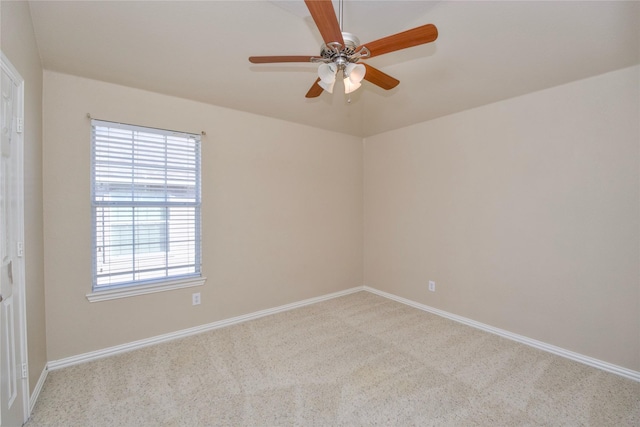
(195, 298)
(432, 286)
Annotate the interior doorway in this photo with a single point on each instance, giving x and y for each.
(14, 387)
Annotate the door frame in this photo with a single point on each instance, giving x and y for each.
(21, 305)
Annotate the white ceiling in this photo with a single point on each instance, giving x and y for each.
(486, 51)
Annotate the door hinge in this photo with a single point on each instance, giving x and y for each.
(24, 370)
(20, 249)
(19, 125)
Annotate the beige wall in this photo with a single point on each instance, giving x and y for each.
(524, 212)
(282, 215)
(19, 45)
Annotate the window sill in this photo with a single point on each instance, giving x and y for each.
(133, 291)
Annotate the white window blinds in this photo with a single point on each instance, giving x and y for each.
(145, 193)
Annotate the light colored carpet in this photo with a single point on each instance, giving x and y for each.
(355, 360)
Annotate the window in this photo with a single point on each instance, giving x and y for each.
(145, 196)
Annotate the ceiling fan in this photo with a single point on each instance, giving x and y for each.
(341, 51)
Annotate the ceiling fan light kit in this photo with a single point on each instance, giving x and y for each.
(352, 76)
(341, 51)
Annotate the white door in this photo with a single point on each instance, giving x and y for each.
(12, 349)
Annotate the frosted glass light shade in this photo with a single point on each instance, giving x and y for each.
(327, 73)
(355, 72)
(353, 75)
(327, 86)
(349, 86)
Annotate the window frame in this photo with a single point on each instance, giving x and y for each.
(137, 286)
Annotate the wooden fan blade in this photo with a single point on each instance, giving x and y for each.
(325, 18)
(315, 90)
(273, 59)
(414, 37)
(378, 78)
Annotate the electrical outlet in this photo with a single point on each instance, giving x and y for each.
(432, 286)
(195, 298)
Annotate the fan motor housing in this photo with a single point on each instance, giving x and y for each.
(351, 42)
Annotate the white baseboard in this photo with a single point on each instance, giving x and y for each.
(38, 388)
(596, 363)
(110, 351)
